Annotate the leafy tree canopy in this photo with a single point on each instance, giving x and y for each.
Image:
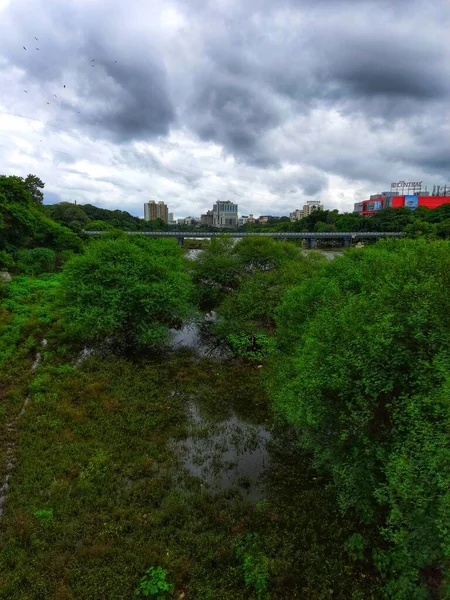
(126, 290)
(364, 378)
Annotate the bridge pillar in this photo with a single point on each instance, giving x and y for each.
(311, 243)
(180, 240)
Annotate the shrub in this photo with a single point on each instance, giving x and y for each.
(367, 387)
(255, 565)
(129, 291)
(36, 261)
(154, 584)
(6, 260)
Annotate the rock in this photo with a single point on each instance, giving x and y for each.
(5, 277)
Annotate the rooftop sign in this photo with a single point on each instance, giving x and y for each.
(409, 185)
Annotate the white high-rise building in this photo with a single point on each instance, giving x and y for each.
(225, 214)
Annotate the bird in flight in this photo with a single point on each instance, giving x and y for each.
(64, 86)
(36, 38)
(24, 47)
(55, 95)
(37, 48)
(48, 102)
(25, 91)
(93, 60)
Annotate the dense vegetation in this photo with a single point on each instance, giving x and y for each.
(344, 364)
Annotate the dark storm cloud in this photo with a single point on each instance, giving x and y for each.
(122, 95)
(357, 58)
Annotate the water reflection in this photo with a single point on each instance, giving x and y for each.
(227, 454)
(195, 336)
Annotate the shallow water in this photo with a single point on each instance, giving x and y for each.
(227, 454)
(194, 336)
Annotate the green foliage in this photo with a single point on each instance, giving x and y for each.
(369, 346)
(255, 565)
(36, 261)
(217, 269)
(44, 515)
(6, 260)
(256, 347)
(154, 584)
(26, 311)
(263, 270)
(126, 290)
(34, 185)
(98, 226)
(355, 546)
(24, 224)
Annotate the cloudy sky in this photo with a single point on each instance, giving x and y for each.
(265, 103)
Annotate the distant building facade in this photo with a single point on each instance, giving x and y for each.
(308, 208)
(225, 214)
(207, 218)
(251, 219)
(242, 220)
(156, 210)
(357, 207)
(264, 219)
(311, 206)
(296, 215)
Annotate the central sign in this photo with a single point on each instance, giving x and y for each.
(406, 184)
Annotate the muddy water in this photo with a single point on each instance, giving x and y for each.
(195, 337)
(226, 446)
(227, 454)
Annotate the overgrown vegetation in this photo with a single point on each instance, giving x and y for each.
(126, 290)
(351, 380)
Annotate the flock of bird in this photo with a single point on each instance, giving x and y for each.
(92, 61)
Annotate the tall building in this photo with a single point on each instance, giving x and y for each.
(225, 214)
(156, 210)
(242, 220)
(207, 218)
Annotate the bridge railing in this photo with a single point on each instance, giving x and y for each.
(283, 235)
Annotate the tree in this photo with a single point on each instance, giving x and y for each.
(364, 376)
(22, 223)
(125, 290)
(34, 185)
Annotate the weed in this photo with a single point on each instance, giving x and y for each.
(154, 584)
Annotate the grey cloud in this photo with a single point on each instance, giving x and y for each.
(250, 77)
(124, 100)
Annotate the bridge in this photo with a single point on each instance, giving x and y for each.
(346, 237)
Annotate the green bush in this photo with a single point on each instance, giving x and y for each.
(364, 378)
(154, 584)
(127, 290)
(36, 261)
(255, 565)
(6, 261)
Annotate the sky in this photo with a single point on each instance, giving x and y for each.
(267, 104)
